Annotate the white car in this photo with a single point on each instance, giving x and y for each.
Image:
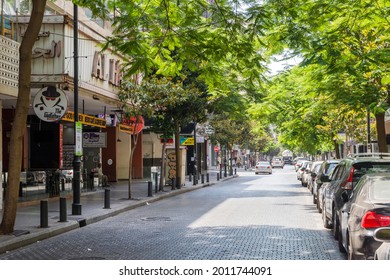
(263, 167)
(277, 162)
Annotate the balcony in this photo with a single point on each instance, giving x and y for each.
(9, 66)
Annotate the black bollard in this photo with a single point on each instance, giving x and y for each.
(150, 188)
(190, 177)
(194, 181)
(156, 181)
(173, 183)
(107, 198)
(235, 171)
(207, 177)
(217, 176)
(44, 214)
(63, 215)
(202, 178)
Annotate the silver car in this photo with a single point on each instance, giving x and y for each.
(263, 167)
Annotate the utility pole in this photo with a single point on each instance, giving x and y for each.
(76, 206)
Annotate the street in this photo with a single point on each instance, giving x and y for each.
(252, 217)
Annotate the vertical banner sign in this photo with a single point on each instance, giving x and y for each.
(61, 138)
(79, 139)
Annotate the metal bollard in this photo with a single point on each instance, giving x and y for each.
(217, 176)
(63, 184)
(190, 177)
(44, 214)
(235, 171)
(202, 178)
(150, 189)
(107, 198)
(63, 215)
(207, 177)
(194, 181)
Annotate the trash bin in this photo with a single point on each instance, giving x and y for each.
(93, 180)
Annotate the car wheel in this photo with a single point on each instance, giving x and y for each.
(318, 203)
(335, 225)
(325, 219)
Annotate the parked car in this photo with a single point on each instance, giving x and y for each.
(263, 167)
(323, 173)
(301, 169)
(306, 174)
(382, 235)
(298, 162)
(366, 208)
(343, 180)
(277, 162)
(313, 175)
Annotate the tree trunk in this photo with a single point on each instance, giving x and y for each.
(336, 148)
(178, 157)
(20, 119)
(380, 128)
(162, 173)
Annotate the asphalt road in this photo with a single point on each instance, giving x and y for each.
(252, 217)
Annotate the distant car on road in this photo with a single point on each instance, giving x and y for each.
(263, 167)
(277, 162)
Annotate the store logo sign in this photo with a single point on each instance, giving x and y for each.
(50, 104)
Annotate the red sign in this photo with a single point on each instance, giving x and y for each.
(216, 149)
(132, 122)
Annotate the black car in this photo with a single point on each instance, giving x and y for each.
(343, 180)
(367, 208)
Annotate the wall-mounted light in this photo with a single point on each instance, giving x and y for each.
(95, 97)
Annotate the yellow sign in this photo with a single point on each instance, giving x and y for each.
(126, 128)
(85, 119)
(187, 141)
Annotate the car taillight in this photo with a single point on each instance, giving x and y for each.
(347, 185)
(374, 220)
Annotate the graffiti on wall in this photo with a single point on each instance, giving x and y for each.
(171, 165)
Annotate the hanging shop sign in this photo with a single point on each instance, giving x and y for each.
(94, 140)
(187, 141)
(85, 119)
(131, 126)
(50, 104)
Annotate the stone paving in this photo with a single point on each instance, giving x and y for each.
(269, 217)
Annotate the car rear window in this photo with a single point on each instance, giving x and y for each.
(363, 168)
(380, 190)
